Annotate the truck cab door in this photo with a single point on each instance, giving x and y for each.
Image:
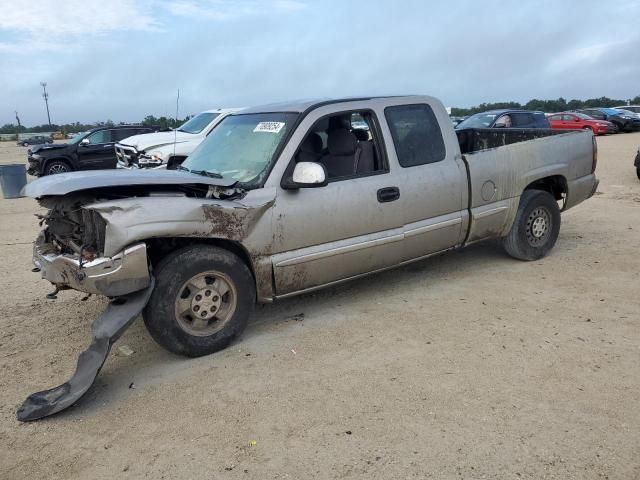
(99, 152)
(432, 177)
(352, 225)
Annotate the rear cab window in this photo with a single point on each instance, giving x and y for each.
(416, 134)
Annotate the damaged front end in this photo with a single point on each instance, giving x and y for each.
(69, 252)
(93, 241)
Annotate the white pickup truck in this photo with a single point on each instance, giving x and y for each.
(168, 149)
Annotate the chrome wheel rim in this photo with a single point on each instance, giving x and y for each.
(57, 168)
(205, 303)
(538, 226)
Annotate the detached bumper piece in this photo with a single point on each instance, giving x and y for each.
(125, 272)
(105, 330)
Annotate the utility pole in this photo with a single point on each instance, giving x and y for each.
(45, 95)
(18, 132)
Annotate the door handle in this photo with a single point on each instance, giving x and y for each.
(108, 145)
(388, 194)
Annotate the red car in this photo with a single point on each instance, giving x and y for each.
(576, 121)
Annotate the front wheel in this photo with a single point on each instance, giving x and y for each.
(203, 298)
(536, 227)
(57, 166)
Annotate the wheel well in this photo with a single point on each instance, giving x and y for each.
(556, 185)
(59, 159)
(158, 248)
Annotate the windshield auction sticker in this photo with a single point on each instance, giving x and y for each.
(269, 127)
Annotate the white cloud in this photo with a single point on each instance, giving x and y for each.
(51, 24)
(228, 10)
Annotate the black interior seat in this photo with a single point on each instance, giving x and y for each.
(366, 163)
(343, 153)
(311, 149)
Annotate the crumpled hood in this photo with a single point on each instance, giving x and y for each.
(148, 141)
(64, 183)
(48, 146)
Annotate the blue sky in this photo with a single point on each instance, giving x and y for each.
(123, 59)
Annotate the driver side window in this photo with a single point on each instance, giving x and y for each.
(345, 144)
(101, 136)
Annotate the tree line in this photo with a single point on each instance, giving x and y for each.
(558, 105)
(149, 120)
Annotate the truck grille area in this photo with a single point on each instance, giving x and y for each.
(76, 231)
(127, 156)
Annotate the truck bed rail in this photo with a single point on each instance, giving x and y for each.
(475, 139)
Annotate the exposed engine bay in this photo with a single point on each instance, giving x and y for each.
(73, 229)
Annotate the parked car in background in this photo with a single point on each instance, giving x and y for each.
(629, 113)
(169, 149)
(88, 151)
(631, 108)
(35, 140)
(622, 120)
(576, 121)
(506, 119)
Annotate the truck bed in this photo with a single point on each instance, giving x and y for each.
(476, 139)
(499, 174)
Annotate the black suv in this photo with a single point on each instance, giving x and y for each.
(624, 122)
(505, 118)
(35, 140)
(91, 150)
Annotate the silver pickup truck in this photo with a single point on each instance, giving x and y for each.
(288, 198)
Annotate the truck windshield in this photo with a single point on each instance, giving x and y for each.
(241, 147)
(197, 123)
(479, 120)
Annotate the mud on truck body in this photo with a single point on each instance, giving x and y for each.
(288, 198)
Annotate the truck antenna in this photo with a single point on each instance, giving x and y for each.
(175, 129)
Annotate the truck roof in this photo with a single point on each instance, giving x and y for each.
(298, 106)
(222, 110)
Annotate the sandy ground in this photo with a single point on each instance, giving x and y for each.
(468, 365)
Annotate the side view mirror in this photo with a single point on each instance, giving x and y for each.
(84, 142)
(306, 175)
(499, 125)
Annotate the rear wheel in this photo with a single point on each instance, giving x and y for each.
(536, 227)
(57, 166)
(203, 298)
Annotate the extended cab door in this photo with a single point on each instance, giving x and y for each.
(349, 227)
(99, 152)
(432, 177)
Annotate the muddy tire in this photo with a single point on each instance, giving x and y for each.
(202, 300)
(57, 166)
(535, 228)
